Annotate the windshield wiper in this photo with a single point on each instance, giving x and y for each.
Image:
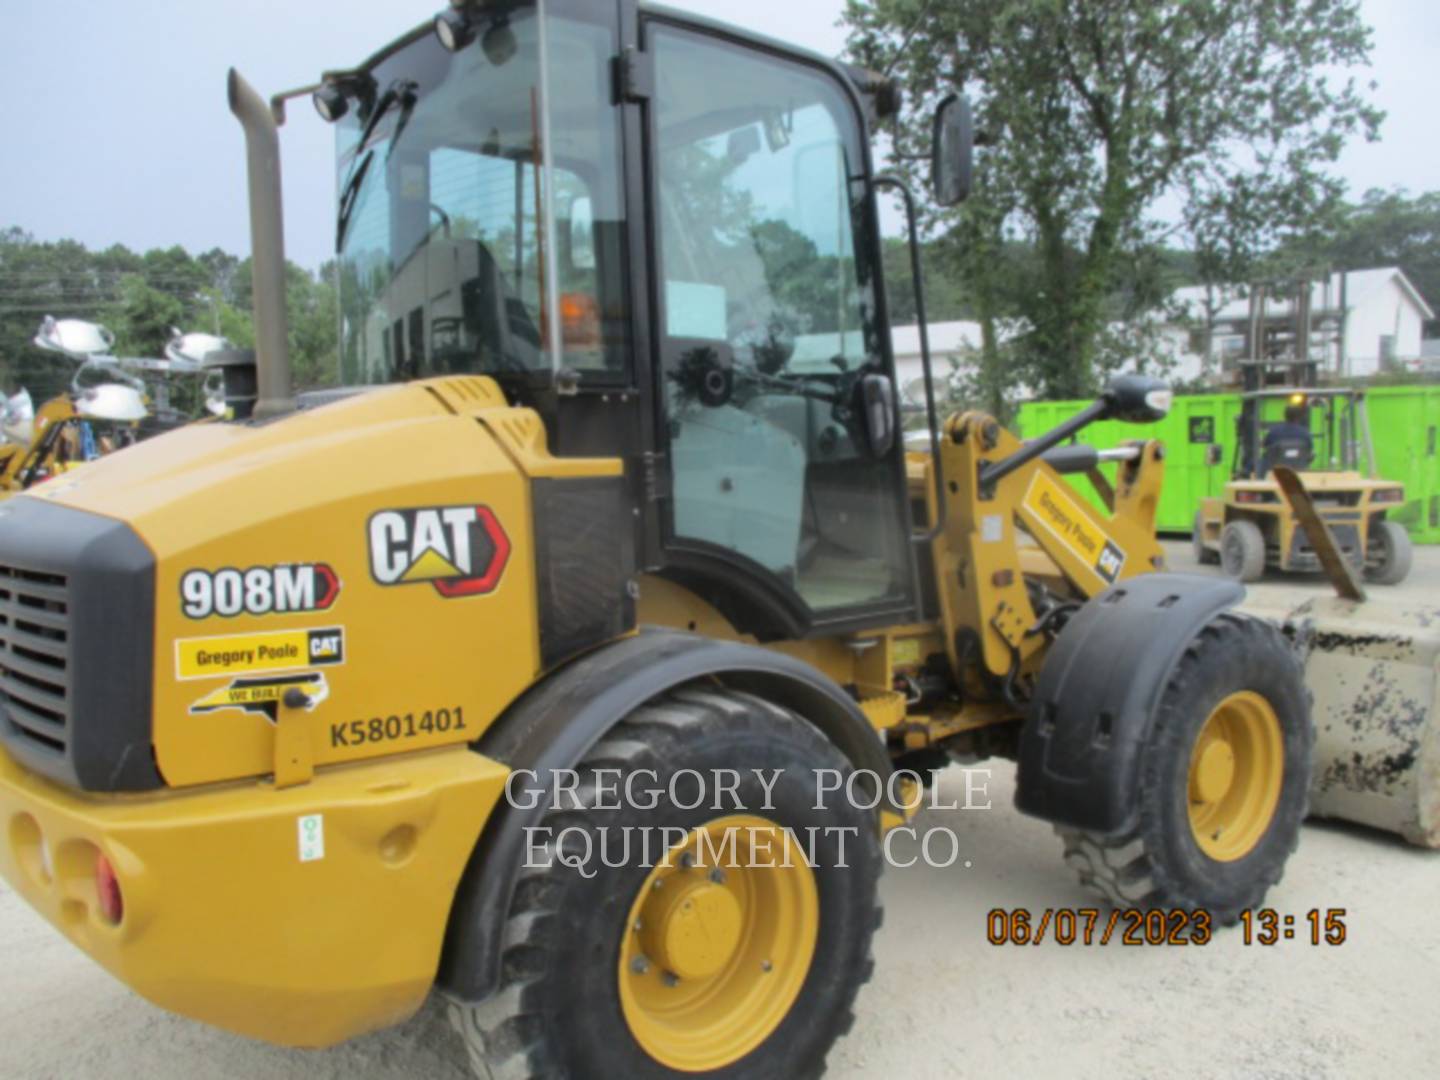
(349, 197)
(402, 90)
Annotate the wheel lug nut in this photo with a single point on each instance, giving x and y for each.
(766, 966)
(717, 876)
(640, 965)
(687, 861)
(670, 979)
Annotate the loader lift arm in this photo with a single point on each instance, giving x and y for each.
(997, 484)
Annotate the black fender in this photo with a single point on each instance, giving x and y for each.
(557, 721)
(1098, 691)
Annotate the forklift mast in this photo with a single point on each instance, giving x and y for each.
(1278, 354)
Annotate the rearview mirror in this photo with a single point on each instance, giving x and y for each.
(1137, 399)
(953, 150)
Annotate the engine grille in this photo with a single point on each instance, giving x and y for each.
(35, 658)
(77, 634)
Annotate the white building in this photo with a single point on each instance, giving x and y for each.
(1380, 311)
(946, 339)
(1382, 328)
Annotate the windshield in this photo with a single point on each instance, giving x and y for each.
(465, 242)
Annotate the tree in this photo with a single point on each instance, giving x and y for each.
(142, 317)
(1390, 228)
(945, 294)
(1096, 109)
(314, 310)
(141, 297)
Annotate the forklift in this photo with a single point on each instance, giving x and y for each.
(1325, 437)
(612, 503)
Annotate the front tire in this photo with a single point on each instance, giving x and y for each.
(1242, 551)
(1388, 553)
(1223, 783)
(625, 974)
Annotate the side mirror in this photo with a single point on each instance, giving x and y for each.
(877, 406)
(952, 162)
(742, 145)
(1137, 399)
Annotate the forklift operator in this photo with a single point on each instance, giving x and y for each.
(1289, 442)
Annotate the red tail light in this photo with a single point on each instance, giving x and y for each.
(107, 891)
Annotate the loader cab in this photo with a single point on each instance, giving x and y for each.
(660, 233)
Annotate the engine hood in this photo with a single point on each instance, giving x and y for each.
(374, 553)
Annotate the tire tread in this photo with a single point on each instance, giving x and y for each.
(1124, 868)
(504, 1035)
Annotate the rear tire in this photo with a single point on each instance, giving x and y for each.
(1388, 553)
(1203, 555)
(562, 1009)
(1242, 551)
(1168, 858)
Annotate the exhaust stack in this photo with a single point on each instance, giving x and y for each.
(267, 245)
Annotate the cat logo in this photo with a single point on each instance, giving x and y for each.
(1111, 562)
(264, 694)
(461, 550)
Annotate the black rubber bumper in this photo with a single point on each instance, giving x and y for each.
(1098, 691)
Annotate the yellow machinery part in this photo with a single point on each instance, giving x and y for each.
(1237, 768)
(868, 661)
(717, 943)
(207, 497)
(978, 563)
(14, 459)
(237, 914)
(1343, 498)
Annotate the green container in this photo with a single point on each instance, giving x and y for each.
(1403, 423)
(1403, 427)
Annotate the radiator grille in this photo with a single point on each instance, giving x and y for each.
(35, 658)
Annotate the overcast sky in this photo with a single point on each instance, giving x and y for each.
(115, 128)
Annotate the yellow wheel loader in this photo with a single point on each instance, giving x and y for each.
(570, 659)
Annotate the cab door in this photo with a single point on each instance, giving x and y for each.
(786, 506)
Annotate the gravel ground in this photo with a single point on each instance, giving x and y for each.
(943, 1002)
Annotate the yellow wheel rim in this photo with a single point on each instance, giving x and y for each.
(1237, 767)
(718, 943)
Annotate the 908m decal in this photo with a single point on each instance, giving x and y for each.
(461, 550)
(258, 590)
